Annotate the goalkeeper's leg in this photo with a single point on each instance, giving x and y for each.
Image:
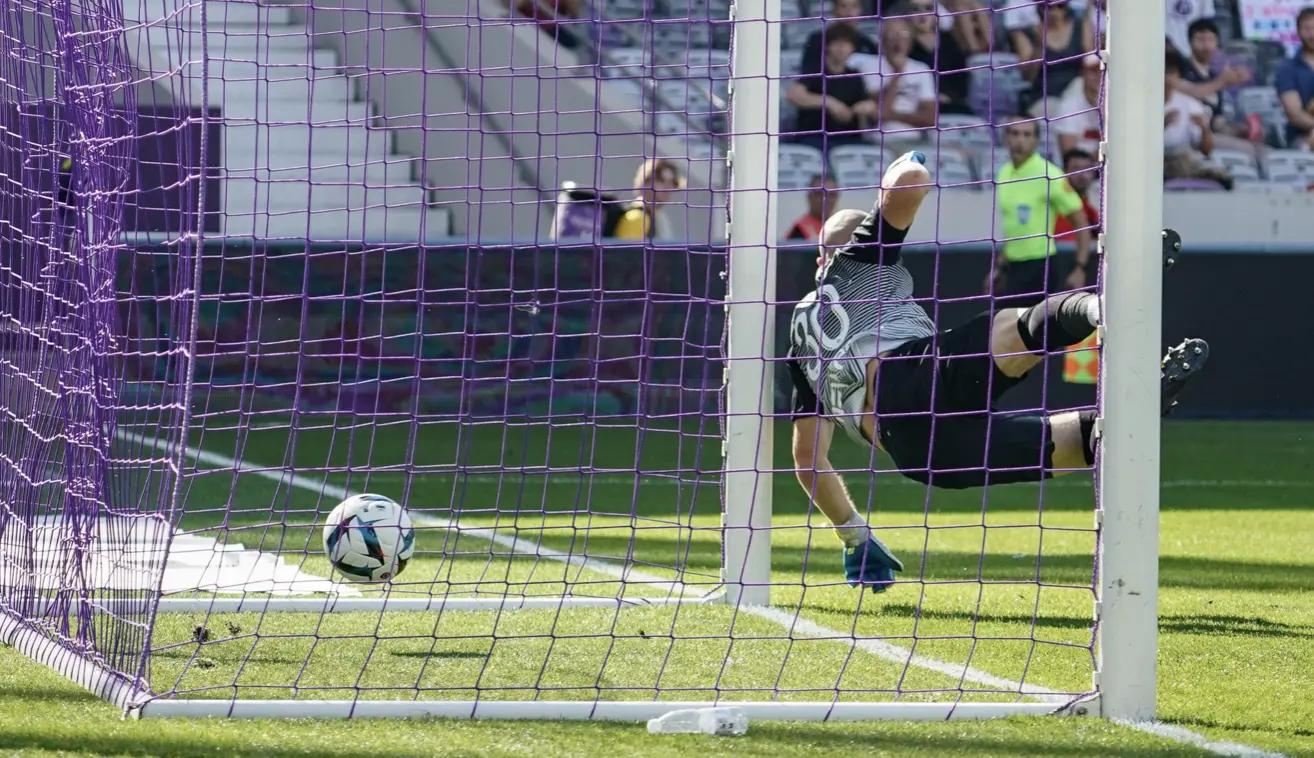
(935, 397)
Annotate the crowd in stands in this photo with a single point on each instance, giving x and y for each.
(870, 74)
(932, 59)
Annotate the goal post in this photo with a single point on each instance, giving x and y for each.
(583, 425)
(1128, 495)
(751, 241)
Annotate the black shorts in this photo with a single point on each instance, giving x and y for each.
(1029, 282)
(957, 442)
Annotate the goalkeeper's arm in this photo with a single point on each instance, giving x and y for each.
(823, 485)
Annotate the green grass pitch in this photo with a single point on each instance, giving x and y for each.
(1236, 611)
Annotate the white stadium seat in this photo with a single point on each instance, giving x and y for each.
(797, 165)
(858, 165)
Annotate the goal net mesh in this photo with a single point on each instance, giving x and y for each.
(256, 257)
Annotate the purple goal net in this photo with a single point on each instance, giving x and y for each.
(492, 260)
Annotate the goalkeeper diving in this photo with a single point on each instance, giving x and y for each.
(865, 357)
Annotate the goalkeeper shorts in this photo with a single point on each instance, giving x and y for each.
(933, 400)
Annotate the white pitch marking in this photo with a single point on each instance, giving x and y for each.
(879, 648)
(516, 545)
(1186, 736)
(522, 546)
(901, 655)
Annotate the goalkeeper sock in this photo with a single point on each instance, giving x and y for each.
(1087, 419)
(1062, 320)
(853, 532)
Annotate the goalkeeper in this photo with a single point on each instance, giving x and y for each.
(865, 357)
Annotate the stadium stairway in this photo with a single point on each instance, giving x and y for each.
(302, 156)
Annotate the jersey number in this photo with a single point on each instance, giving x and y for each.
(807, 326)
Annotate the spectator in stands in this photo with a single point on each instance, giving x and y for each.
(1024, 28)
(1057, 58)
(823, 194)
(1095, 27)
(904, 89)
(833, 105)
(1187, 138)
(942, 50)
(1181, 13)
(1078, 120)
(654, 182)
(1205, 76)
(1082, 172)
(1031, 193)
(1295, 85)
(1021, 23)
(970, 23)
(814, 50)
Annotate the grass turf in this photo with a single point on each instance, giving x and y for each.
(1236, 619)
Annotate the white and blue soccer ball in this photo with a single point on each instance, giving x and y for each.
(369, 538)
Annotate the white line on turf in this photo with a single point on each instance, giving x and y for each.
(516, 545)
(1180, 734)
(522, 546)
(794, 623)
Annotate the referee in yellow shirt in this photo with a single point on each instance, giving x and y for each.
(1031, 193)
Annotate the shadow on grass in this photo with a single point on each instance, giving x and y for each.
(909, 610)
(1192, 723)
(154, 744)
(1240, 626)
(61, 692)
(932, 741)
(449, 654)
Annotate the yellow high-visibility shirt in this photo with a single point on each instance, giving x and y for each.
(636, 225)
(1030, 197)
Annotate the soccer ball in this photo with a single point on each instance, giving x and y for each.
(369, 538)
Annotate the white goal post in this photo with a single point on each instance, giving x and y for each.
(1128, 471)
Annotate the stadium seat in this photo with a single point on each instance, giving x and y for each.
(674, 39)
(1290, 167)
(996, 83)
(797, 165)
(858, 165)
(1191, 185)
(710, 69)
(614, 10)
(949, 166)
(623, 62)
(1263, 101)
(970, 132)
(1239, 163)
(987, 159)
